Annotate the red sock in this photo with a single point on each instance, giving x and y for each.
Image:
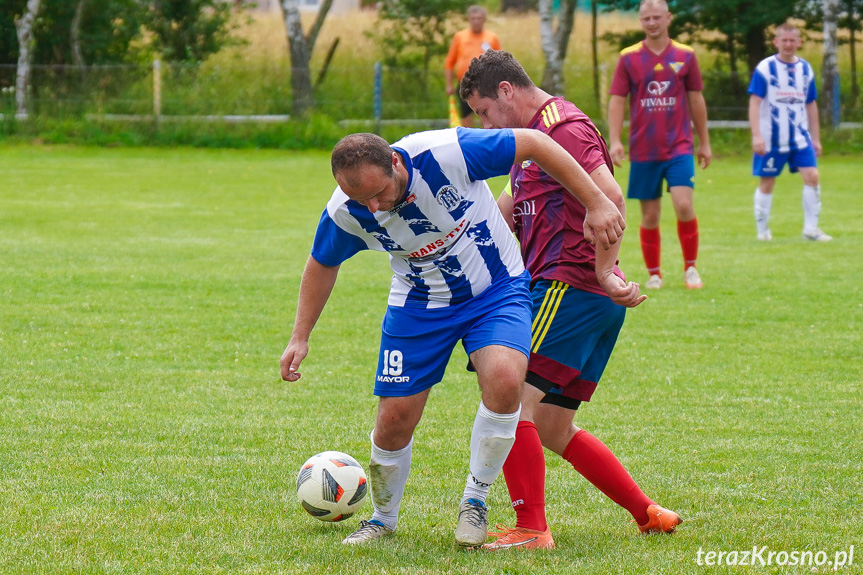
(650, 245)
(524, 471)
(688, 234)
(590, 457)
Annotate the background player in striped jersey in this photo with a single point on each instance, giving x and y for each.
(579, 302)
(663, 82)
(457, 275)
(783, 117)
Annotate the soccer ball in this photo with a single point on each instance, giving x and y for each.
(331, 486)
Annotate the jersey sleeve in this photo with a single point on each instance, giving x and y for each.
(580, 140)
(620, 84)
(693, 81)
(758, 84)
(811, 93)
(332, 244)
(487, 153)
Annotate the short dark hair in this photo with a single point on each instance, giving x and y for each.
(357, 150)
(488, 70)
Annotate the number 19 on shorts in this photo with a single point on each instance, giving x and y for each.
(392, 362)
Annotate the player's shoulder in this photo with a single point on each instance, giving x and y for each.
(558, 111)
(634, 49)
(680, 46)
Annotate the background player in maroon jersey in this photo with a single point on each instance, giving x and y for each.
(663, 82)
(579, 302)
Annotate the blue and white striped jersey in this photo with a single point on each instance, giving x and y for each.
(447, 240)
(785, 89)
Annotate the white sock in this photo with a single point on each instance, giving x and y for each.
(811, 207)
(388, 471)
(492, 438)
(763, 203)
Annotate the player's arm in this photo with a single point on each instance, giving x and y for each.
(604, 223)
(814, 126)
(698, 112)
(616, 109)
(505, 204)
(620, 292)
(758, 145)
(449, 66)
(315, 289)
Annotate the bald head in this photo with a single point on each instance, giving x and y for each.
(662, 4)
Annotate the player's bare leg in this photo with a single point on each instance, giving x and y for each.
(524, 471)
(763, 202)
(596, 462)
(651, 241)
(390, 463)
(500, 371)
(687, 233)
(812, 206)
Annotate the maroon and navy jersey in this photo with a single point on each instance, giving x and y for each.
(659, 122)
(549, 221)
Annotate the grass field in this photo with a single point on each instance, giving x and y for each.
(148, 294)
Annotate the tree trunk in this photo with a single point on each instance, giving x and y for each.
(828, 68)
(852, 45)
(555, 42)
(300, 47)
(731, 48)
(753, 41)
(75, 34)
(24, 28)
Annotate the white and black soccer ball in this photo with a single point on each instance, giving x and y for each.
(331, 486)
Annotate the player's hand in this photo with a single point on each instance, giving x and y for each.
(621, 292)
(604, 224)
(617, 154)
(817, 147)
(758, 145)
(704, 155)
(294, 354)
(450, 90)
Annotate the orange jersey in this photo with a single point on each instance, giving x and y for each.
(466, 46)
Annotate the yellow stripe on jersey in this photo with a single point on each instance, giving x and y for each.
(683, 47)
(543, 320)
(631, 49)
(550, 115)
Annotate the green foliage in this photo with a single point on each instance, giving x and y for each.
(189, 30)
(147, 297)
(114, 31)
(415, 31)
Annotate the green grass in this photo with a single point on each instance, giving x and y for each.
(148, 294)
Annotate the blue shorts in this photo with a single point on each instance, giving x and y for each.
(770, 164)
(416, 343)
(574, 333)
(645, 178)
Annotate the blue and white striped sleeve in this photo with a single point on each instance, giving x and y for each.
(487, 153)
(332, 244)
(758, 85)
(812, 93)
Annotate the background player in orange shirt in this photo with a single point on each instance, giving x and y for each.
(466, 45)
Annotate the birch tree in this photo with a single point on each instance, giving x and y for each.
(555, 41)
(24, 28)
(300, 47)
(829, 67)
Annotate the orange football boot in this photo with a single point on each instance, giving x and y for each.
(520, 538)
(661, 520)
